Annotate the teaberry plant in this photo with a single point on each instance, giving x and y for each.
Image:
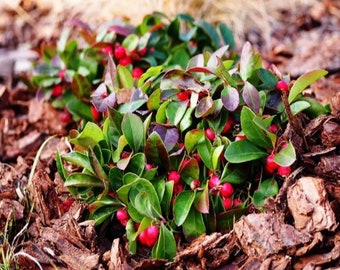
(69, 71)
(190, 151)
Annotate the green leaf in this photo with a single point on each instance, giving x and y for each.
(79, 159)
(131, 42)
(299, 106)
(227, 35)
(193, 225)
(175, 111)
(137, 164)
(133, 130)
(102, 214)
(266, 189)
(242, 151)
(60, 167)
(156, 152)
(143, 197)
(251, 97)
(210, 31)
(303, 81)
(247, 61)
(267, 77)
(253, 133)
(82, 180)
(89, 137)
(204, 107)
(187, 119)
(161, 112)
(191, 139)
(205, 150)
(165, 248)
(125, 77)
(182, 206)
(215, 157)
(286, 156)
(190, 170)
(166, 201)
(235, 174)
(131, 106)
(130, 232)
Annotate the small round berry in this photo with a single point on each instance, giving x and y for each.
(282, 86)
(174, 176)
(57, 91)
(65, 116)
(273, 128)
(214, 181)
(237, 202)
(152, 233)
(125, 61)
(61, 74)
(137, 72)
(107, 50)
(122, 216)
(66, 205)
(227, 203)
(182, 96)
(95, 113)
(209, 133)
(283, 171)
(271, 165)
(143, 51)
(228, 125)
(227, 190)
(148, 167)
(178, 188)
(195, 184)
(119, 52)
(240, 137)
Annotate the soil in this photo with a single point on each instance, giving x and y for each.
(298, 229)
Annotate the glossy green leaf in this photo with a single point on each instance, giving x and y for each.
(247, 61)
(82, 180)
(161, 112)
(166, 201)
(193, 225)
(216, 56)
(267, 77)
(131, 106)
(210, 31)
(227, 35)
(79, 159)
(216, 156)
(103, 214)
(182, 206)
(154, 100)
(266, 189)
(137, 164)
(175, 111)
(242, 151)
(122, 142)
(303, 81)
(60, 167)
(165, 247)
(286, 156)
(299, 106)
(191, 139)
(205, 151)
(89, 137)
(130, 232)
(253, 133)
(125, 77)
(190, 171)
(234, 173)
(315, 109)
(133, 130)
(131, 42)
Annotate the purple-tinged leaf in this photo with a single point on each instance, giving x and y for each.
(178, 79)
(201, 202)
(196, 61)
(123, 30)
(169, 135)
(190, 170)
(204, 107)
(101, 100)
(216, 56)
(111, 73)
(156, 152)
(230, 98)
(200, 70)
(251, 97)
(246, 61)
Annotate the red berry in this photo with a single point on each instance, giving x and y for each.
(95, 113)
(65, 205)
(125, 61)
(107, 50)
(182, 96)
(148, 167)
(119, 52)
(65, 117)
(174, 176)
(282, 86)
(137, 72)
(273, 128)
(214, 181)
(143, 51)
(240, 137)
(237, 202)
(195, 184)
(61, 74)
(228, 125)
(283, 171)
(122, 216)
(209, 133)
(152, 233)
(178, 188)
(142, 237)
(227, 203)
(227, 190)
(271, 165)
(57, 91)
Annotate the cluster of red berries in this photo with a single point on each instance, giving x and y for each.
(225, 190)
(175, 176)
(148, 237)
(272, 167)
